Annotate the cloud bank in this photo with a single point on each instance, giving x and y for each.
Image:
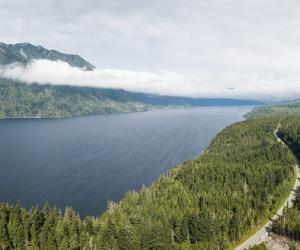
(264, 86)
(228, 48)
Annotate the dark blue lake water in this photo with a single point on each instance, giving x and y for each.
(83, 162)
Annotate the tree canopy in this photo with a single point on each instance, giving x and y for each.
(211, 202)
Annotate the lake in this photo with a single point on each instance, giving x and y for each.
(83, 162)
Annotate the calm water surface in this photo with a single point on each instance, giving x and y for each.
(83, 162)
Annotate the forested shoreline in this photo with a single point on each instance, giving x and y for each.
(210, 202)
(21, 100)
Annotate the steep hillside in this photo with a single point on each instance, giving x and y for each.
(18, 99)
(281, 109)
(25, 52)
(289, 224)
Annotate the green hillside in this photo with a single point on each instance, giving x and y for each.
(289, 224)
(281, 109)
(207, 203)
(18, 99)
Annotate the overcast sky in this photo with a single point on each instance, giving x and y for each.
(224, 48)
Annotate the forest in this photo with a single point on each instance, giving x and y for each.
(290, 133)
(18, 99)
(289, 223)
(280, 109)
(211, 202)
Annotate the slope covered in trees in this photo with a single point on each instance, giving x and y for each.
(24, 53)
(207, 203)
(18, 99)
(289, 223)
(289, 132)
(281, 109)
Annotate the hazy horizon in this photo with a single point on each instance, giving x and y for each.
(227, 49)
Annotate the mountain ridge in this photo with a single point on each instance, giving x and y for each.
(24, 53)
(18, 99)
(283, 108)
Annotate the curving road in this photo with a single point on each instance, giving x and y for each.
(262, 234)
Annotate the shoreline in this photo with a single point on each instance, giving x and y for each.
(129, 112)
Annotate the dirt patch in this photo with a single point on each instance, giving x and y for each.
(275, 242)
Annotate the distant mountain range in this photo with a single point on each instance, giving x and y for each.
(26, 52)
(18, 99)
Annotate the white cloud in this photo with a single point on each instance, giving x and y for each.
(233, 48)
(203, 84)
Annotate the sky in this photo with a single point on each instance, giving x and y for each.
(199, 48)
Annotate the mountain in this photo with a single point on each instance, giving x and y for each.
(25, 52)
(211, 202)
(284, 108)
(18, 99)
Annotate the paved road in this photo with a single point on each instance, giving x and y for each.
(262, 234)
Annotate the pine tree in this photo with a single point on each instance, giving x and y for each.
(16, 228)
(4, 217)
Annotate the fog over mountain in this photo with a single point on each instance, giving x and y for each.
(165, 82)
(195, 48)
(25, 53)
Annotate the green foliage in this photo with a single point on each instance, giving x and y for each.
(289, 223)
(51, 101)
(216, 199)
(289, 132)
(279, 110)
(4, 233)
(207, 203)
(23, 100)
